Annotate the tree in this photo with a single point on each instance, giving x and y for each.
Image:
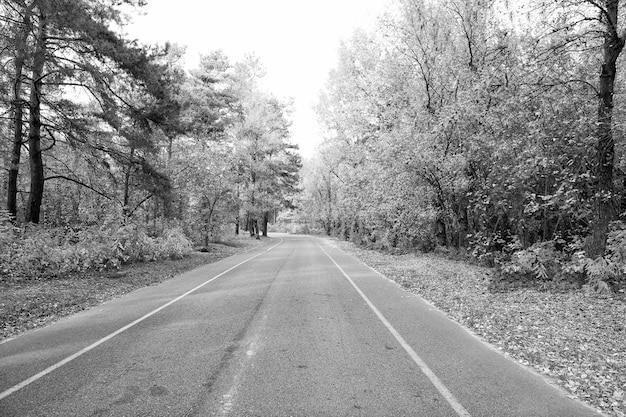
(35, 196)
(612, 47)
(267, 164)
(455, 101)
(594, 26)
(70, 47)
(18, 18)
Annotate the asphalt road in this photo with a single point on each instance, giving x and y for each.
(293, 328)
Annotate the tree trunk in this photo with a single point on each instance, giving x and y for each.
(251, 222)
(127, 175)
(18, 112)
(17, 144)
(266, 219)
(34, 134)
(463, 223)
(156, 213)
(604, 209)
(167, 206)
(441, 233)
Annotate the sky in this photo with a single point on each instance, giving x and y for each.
(297, 41)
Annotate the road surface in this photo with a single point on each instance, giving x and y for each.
(293, 328)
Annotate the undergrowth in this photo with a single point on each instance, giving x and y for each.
(559, 264)
(38, 252)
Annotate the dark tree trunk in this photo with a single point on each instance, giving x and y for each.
(266, 219)
(168, 213)
(35, 197)
(16, 149)
(604, 204)
(329, 210)
(127, 176)
(18, 113)
(463, 223)
(251, 223)
(237, 226)
(441, 233)
(156, 213)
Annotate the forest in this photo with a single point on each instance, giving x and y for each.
(113, 152)
(488, 128)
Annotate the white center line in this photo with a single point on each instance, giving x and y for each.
(443, 390)
(81, 352)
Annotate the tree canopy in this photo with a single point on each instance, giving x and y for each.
(480, 125)
(113, 128)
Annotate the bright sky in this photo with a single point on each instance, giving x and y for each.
(296, 41)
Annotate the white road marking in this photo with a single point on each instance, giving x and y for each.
(81, 352)
(443, 390)
(7, 340)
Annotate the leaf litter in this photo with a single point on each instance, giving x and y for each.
(576, 339)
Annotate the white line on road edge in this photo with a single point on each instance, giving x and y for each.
(81, 352)
(443, 390)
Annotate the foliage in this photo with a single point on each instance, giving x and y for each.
(544, 264)
(36, 252)
(126, 132)
(474, 125)
(266, 163)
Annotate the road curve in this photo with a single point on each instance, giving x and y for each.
(293, 328)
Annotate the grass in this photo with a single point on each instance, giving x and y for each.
(575, 338)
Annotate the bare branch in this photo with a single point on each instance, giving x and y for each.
(140, 204)
(75, 181)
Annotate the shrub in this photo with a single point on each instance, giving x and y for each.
(174, 244)
(559, 264)
(36, 252)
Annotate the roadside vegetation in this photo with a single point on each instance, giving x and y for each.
(488, 127)
(106, 137)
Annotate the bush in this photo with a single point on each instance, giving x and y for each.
(36, 252)
(539, 265)
(563, 265)
(174, 244)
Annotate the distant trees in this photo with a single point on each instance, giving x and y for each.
(267, 163)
